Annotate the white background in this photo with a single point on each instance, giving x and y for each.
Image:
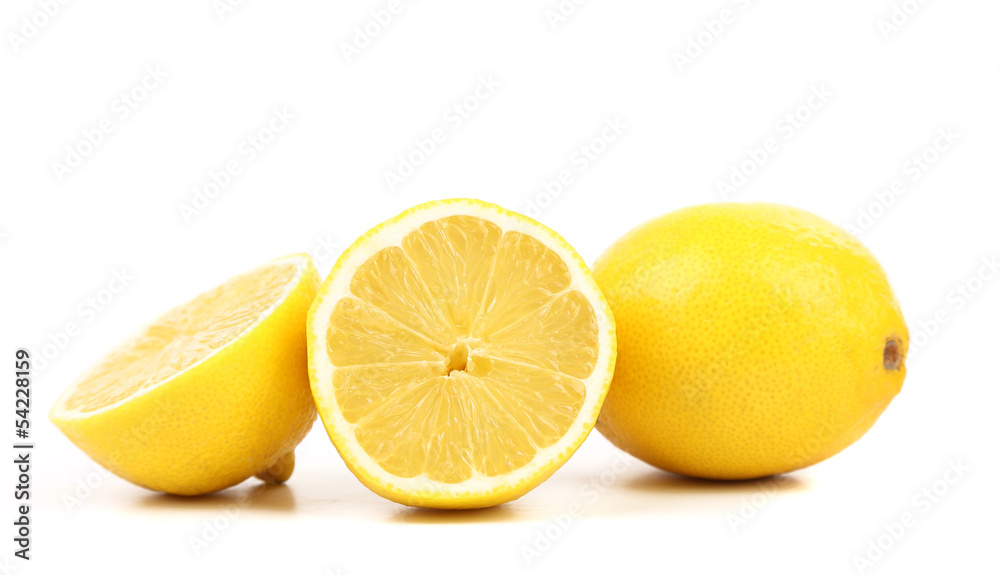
(321, 182)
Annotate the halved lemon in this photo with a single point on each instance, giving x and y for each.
(213, 392)
(459, 354)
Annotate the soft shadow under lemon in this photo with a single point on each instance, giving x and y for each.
(260, 497)
(657, 481)
(498, 514)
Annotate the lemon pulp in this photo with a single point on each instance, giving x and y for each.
(462, 351)
(181, 338)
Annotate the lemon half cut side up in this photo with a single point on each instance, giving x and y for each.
(459, 354)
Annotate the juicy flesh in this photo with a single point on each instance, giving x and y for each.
(462, 351)
(180, 338)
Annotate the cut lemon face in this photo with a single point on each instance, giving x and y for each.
(459, 354)
(213, 392)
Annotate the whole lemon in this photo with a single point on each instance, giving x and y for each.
(753, 339)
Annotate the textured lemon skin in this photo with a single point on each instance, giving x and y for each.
(750, 340)
(230, 417)
(430, 497)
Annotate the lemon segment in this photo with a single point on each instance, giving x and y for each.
(459, 354)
